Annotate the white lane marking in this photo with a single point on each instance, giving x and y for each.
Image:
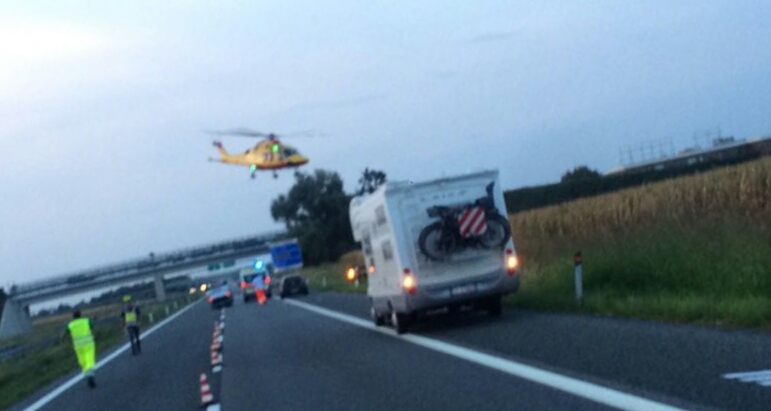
(750, 374)
(579, 388)
(213, 407)
(74, 380)
(761, 377)
(216, 369)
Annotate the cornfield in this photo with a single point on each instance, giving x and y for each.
(740, 193)
(695, 248)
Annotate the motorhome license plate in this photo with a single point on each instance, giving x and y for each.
(463, 289)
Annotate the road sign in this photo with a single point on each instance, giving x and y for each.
(286, 255)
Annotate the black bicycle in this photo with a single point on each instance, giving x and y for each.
(455, 230)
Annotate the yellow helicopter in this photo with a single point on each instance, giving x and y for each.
(268, 154)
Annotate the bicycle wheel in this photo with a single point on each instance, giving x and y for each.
(498, 232)
(434, 243)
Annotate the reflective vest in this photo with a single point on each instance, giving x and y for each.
(80, 331)
(131, 317)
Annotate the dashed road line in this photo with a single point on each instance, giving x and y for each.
(761, 377)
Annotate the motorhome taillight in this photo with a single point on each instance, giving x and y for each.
(408, 282)
(511, 261)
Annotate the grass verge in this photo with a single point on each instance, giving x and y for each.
(331, 277)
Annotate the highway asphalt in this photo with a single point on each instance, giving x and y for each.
(286, 357)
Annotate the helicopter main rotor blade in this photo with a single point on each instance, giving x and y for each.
(247, 132)
(240, 132)
(304, 133)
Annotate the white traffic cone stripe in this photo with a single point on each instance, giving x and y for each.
(216, 359)
(206, 395)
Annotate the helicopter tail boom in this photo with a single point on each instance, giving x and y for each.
(223, 153)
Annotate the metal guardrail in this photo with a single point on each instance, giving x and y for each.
(141, 264)
(22, 350)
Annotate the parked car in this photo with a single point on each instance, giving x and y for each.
(293, 284)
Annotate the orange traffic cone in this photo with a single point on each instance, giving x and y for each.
(207, 397)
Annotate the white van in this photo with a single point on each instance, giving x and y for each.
(435, 244)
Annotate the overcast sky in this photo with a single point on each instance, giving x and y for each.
(103, 104)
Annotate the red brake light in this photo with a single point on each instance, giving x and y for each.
(211, 299)
(227, 293)
(267, 279)
(243, 284)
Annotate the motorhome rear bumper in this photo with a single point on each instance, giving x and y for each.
(433, 296)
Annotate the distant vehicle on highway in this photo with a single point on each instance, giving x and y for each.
(292, 284)
(437, 244)
(220, 296)
(247, 276)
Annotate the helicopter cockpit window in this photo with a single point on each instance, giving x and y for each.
(289, 152)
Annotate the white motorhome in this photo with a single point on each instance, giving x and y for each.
(396, 222)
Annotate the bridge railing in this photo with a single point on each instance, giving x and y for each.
(145, 264)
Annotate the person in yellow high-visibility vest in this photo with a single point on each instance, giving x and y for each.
(80, 331)
(130, 316)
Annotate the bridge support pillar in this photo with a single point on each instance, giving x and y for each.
(160, 290)
(15, 320)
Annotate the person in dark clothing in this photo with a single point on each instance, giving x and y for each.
(130, 317)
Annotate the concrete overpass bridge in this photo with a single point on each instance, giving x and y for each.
(15, 318)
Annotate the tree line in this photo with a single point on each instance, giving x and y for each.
(584, 182)
(315, 211)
